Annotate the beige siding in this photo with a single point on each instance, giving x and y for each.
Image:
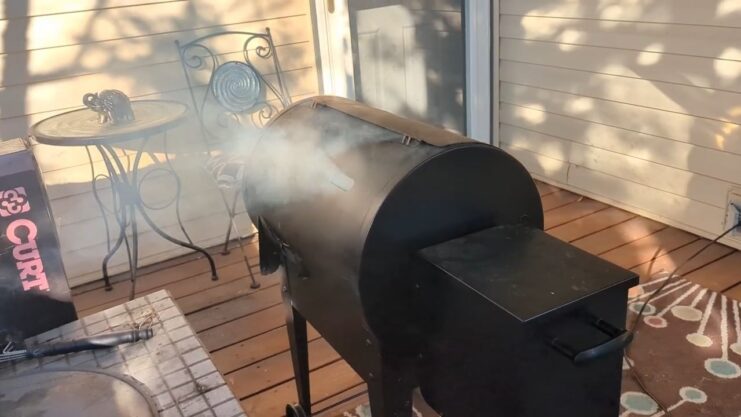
(634, 103)
(52, 52)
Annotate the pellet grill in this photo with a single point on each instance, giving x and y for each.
(421, 258)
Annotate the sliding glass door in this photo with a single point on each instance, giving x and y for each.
(409, 57)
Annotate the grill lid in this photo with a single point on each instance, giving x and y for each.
(414, 129)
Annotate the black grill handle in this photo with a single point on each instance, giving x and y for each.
(102, 341)
(619, 340)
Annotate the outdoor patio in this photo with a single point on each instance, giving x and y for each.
(244, 329)
(153, 132)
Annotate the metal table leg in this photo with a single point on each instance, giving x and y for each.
(121, 212)
(140, 206)
(127, 201)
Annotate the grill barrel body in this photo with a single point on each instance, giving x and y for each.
(348, 210)
(356, 245)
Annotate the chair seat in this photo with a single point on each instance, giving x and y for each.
(226, 170)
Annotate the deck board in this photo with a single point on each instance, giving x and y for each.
(325, 383)
(233, 332)
(343, 401)
(590, 224)
(254, 349)
(670, 261)
(277, 369)
(720, 275)
(618, 235)
(734, 292)
(188, 277)
(545, 189)
(648, 247)
(244, 328)
(578, 209)
(558, 199)
(225, 291)
(235, 308)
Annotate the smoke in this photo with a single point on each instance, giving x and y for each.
(299, 159)
(281, 170)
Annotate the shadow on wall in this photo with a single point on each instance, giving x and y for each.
(645, 114)
(15, 38)
(50, 60)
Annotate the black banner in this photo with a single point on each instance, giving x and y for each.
(34, 295)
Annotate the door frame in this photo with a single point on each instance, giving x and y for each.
(337, 75)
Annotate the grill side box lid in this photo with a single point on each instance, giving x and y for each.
(525, 271)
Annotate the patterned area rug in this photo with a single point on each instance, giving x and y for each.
(687, 352)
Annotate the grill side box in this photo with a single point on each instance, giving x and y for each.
(34, 294)
(529, 326)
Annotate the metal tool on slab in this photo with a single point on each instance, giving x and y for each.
(102, 341)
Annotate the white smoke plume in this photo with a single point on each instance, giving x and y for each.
(296, 161)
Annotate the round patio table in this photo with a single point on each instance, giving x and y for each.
(82, 128)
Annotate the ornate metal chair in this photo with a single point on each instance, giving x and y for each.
(236, 85)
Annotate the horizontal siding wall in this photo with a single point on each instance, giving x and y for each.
(637, 104)
(53, 52)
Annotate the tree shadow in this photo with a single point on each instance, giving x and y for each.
(14, 37)
(52, 59)
(640, 115)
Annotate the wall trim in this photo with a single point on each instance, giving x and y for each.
(477, 14)
(494, 68)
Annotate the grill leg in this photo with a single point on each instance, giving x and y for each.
(298, 339)
(389, 395)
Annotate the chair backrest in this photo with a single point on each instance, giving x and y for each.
(235, 82)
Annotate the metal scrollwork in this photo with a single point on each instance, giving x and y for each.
(236, 94)
(263, 49)
(228, 120)
(193, 57)
(236, 86)
(266, 112)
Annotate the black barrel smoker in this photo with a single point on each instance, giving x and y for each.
(419, 255)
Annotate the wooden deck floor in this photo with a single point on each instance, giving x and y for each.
(244, 328)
